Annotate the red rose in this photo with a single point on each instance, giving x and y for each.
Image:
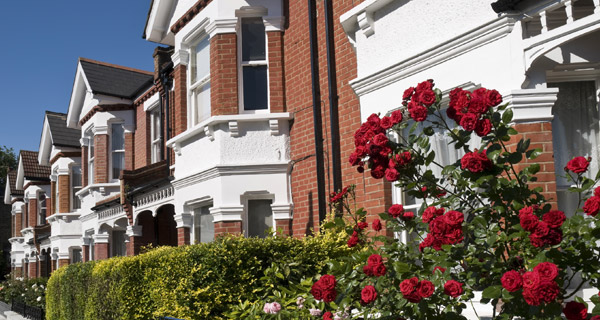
(403, 158)
(548, 291)
(413, 297)
(483, 127)
(353, 240)
(454, 218)
(427, 242)
(531, 297)
(408, 286)
(554, 218)
(396, 210)
(431, 212)
(418, 113)
(455, 235)
(469, 121)
(376, 225)
(386, 122)
(546, 270)
(425, 85)
(554, 237)
(595, 318)
(408, 93)
(526, 210)
(368, 294)
(575, 311)
(391, 174)
(378, 172)
(374, 259)
(536, 241)
(531, 280)
(453, 288)
(329, 295)
(380, 140)
(408, 215)
(477, 106)
(597, 192)
(475, 162)
(328, 316)
(528, 221)
(427, 97)
(592, 206)
(373, 120)
(327, 281)
(362, 225)
(578, 164)
(317, 291)
(378, 270)
(425, 288)
(396, 116)
(442, 270)
(438, 226)
(493, 98)
(354, 159)
(541, 229)
(512, 281)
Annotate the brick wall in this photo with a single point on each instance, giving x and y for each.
(141, 140)
(276, 77)
(18, 224)
(32, 216)
(52, 199)
(129, 151)
(228, 227)
(33, 270)
(223, 74)
(283, 227)
(85, 253)
(63, 262)
(101, 251)
(183, 236)
(101, 162)
(64, 194)
(179, 103)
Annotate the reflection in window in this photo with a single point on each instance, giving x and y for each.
(75, 186)
(117, 150)
(253, 62)
(260, 218)
(204, 227)
(200, 81)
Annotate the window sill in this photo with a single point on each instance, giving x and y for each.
(100, 186)
(63, 216)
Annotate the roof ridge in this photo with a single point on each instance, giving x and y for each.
(106, 64)
(55, 112)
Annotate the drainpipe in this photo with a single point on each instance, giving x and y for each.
(333, 97)
(166, 83)
(316, 95)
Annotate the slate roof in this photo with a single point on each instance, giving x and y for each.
(31, 167)
(12, 182)
(505, 5)
(61, 135)
(114, 80)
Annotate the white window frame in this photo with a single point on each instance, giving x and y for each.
(73, 192)
(155, 137)
(249, 196)
(110, 137)
(91, 157)
(55, 196)
(251, 63)
(197, 85)
(196, 236)
(42, 221)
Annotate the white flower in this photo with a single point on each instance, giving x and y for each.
(314, 312)
(300, 302)
(22, 294)
(272, 308)
(39, 299)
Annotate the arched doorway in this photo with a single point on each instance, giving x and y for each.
(165, 226)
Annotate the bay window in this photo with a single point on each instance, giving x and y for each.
(204, 227)
(117, 150)
(155, 135)
(253, 65)
(75, 187)
(200, 81)
(41, 209)
(91, 160)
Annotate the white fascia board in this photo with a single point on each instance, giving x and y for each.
(7, 197)
(20, 174)
(45, 144)
(78, 94)
(158, 28)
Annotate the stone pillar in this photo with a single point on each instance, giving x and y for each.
(101, 247)
(33, 267)
(135, 240)
(85, 249)
(184, 224)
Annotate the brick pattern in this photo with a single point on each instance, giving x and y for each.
(63, 262)
(85, 253)
(129, 150)
(52, 199)
(33, 209)
(183, 236)
(64, 194)
(134, 245)
(84, 166)
(276, 76)
(179, 103)
(101, 162)
(223, 74)
(53, 265)
(101, 251)
(33, 270)
(25, 217)
(228, 227)
(18, 224)
(42, 267)
(540, 134)
(283, 227)
(141, 140)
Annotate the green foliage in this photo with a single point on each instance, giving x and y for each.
(201, 281)
(8, 161)
(29, 291)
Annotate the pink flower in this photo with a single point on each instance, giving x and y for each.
(272, 308)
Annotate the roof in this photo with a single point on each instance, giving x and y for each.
(114, 80)
(61, 135)
(12, 182)
(505, 5)
(148, 18)
(32, 169)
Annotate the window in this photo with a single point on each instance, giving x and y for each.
(204, 227)
(117, 150)
(200, 81)
(118, 243)
(260, 218)
(76, 255)
(155, 135)
(575, 132)
(42, 209)
(75, 186)
(90, 160)
(92, 248)
(253, 65)
(56, 192)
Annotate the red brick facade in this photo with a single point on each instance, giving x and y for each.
(228, 227)
(179, 103)
(32, 210)
(84, 167)
(101, 162)
(64, 194)
(63, 262)
(101, 251)
(223, 74)
(183, 236)
(276, 76)
(33, 270)
(52, 206)
(18, 224)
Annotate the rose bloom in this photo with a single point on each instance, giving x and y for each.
(531, 297)
(528, 221)
(541, 229)
(408, 93)
(362, 225)
(531, 280)
(396, 210)
(329, 295)
(578, 165)
(317, 291)
(425, 288)
(353, 240)
(597, 192)
(418, 113)
(493, 98)
(469, 121)
(427, 97)
(368, 294)
(575, 311)
(408, 215)
(396, 116)
(454, 218)
(408, 286)
(438, 226)
(391, 174)
(378, 172)
(386, 122)
(592, 206)
(377, 225)
(548, 291)
(547, 271)
(425, 85)
(477, 106)
(512, 281)
(453, 288)
(475, 162)
(554, 237)
(328, 316)
(554, 218)
(272, 308)
(483, 127)
(431, 212)
(328, 282)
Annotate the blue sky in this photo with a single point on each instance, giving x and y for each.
(41, 42)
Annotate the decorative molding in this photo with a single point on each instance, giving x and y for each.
(134, 231)
(274, 23)
(109, 213)
(101, 238)
(227, 213)
(208, 131)
(219, 171)
(104, 108)
(59, 155)
(366, 23)
(189, 15)
(234, 130)
(431, 57)
(281, 211)
(532, 105)
(88, 217)
(184, 220)
(180, 57)
(219, 26)
(274, 127)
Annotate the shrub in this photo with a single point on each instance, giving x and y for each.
(190, 282)
(29, 291)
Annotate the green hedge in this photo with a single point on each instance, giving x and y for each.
(190, 282)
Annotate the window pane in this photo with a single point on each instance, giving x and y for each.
(118, 164)
(91, 147)
(253, 39)
(201, 60)
(76, 176)
(156, 124)
(76, 256)
(204, 228)
(202, 101)
(90, 172)
(118, 139)
(255, 88)
(260, 217)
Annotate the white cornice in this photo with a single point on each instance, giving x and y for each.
(450, 49)
(361, 17)
(218, 26)
(532, 105)
(238, 169)
(227, 213)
